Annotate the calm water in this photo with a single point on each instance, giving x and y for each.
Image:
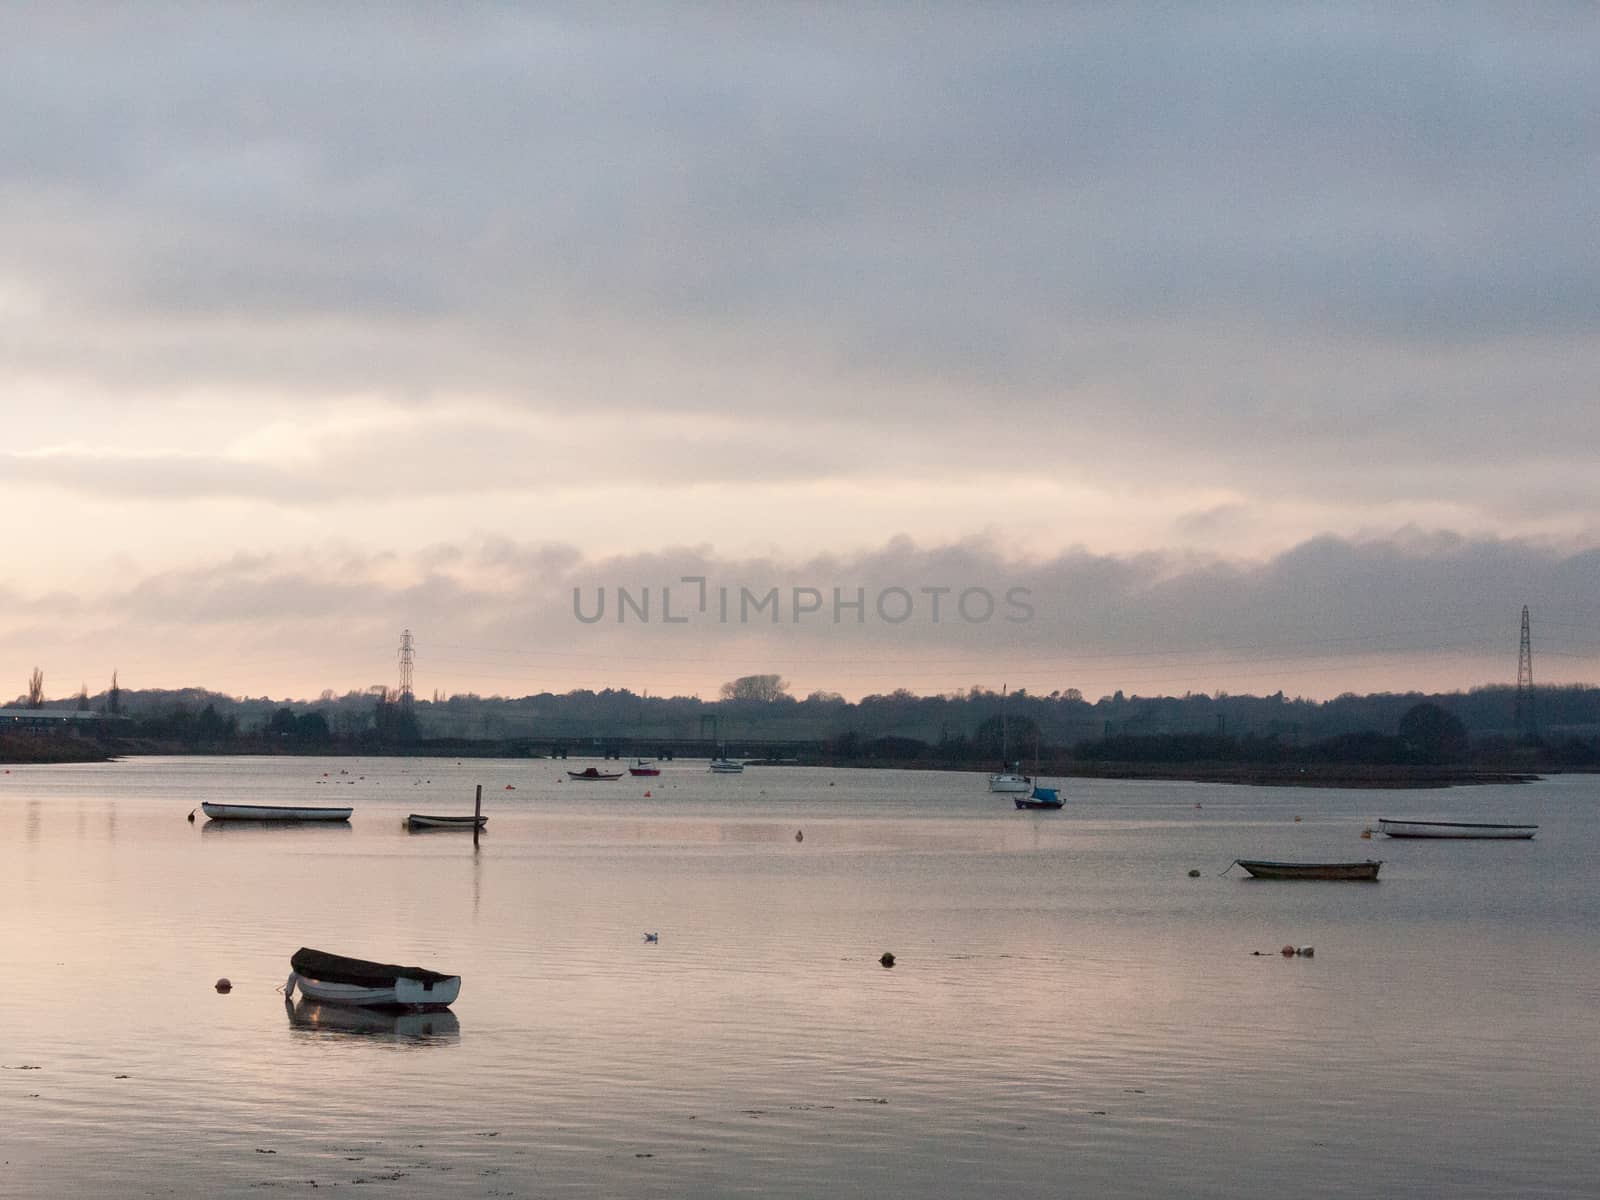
(1071, 1014)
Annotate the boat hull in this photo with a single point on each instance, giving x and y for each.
(1041, 797)
(425, 821)
(646, 772)
(1366, 871)
(272, 812)
(1009, 785)
(1454, 829)
(409, 995)
(358, 982)
(593, 777)
(727, 768)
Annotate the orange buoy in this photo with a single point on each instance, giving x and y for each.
(1367, 833)
(510, 788)
(1288, 951)
(647, 795)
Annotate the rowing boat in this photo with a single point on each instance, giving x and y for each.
(335, 979)
(425, 821)
(272, 812)
(1452, 829)
(1296, 870)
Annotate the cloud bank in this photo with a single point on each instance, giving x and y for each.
(495, 616)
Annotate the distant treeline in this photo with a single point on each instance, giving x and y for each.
(974, 727)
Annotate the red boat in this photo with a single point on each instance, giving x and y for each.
(592, 773)
(643, 766)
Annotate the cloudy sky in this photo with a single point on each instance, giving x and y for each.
(1258, 343)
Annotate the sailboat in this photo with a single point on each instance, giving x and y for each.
(1040, 796)
(1008, 780)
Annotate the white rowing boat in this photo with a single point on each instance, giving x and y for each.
(335, 979)
(272, 812)
(1453, 829)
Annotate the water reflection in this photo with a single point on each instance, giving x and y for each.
(242, 829)
(414, 1028)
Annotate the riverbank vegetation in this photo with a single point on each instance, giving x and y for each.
(1464, 735)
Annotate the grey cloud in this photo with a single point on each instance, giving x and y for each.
(1291, 252)
(1298, 168)
(1318, 619)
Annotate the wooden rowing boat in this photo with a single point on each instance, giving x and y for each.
(593, 773)
(426, 821)
(1453, 829)
(272, 812)
(335, 979)
(1298, 870)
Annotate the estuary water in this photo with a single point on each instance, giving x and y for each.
(1070, 1013)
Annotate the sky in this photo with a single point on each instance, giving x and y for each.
(1257, 345)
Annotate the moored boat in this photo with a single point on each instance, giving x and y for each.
(1041, 797)
(1301, 870)
(1010, 782)
(1453, 829)
(726, 766)
(643, 766)
(272, 812)
(593, 773)
(335, 979)
(1009, 779)
(428, 821)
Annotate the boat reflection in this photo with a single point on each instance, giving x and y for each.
(211, 829)
(337, 1020)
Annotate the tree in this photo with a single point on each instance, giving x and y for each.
(761, 688)
(36, 689)
(1005, 738)
(83, 697)
(1433, 735)
(114, 697)
(311, 727)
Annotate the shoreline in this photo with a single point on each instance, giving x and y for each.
(15, 751)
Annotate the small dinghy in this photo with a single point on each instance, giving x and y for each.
(418, 821)
(1300, 870)
(1453, 829)
(644, 767)
(335, 979)
(1041, 797)
(592, 773)
(272, 812)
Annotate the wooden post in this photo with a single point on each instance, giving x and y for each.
(477, 814)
